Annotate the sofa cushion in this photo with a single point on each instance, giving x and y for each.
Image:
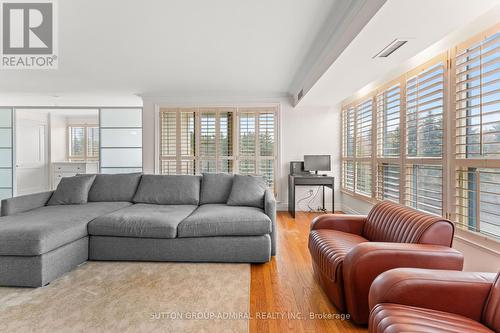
(328, 249)
(215, 188)
(72, 190)
(117, 187)
(247, 191)
(142, 220)
(388, 318)
(46, 228)
(168, 190)
(224, 220)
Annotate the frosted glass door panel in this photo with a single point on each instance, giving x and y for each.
(6, 137)
(121, 158)
(5, 178)
(5, 193)
(121, 118)
(5, 158)
(6, 118)
(118, 137)
(6, 188)
(121, 140)
(121, 170)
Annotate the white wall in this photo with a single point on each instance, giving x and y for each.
(310, 131)
(302, 131)
(58, 138)
(77, 100)
(83, 120)
(481, 253)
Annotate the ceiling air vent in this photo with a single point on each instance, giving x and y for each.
(300, 94)
(391, 48)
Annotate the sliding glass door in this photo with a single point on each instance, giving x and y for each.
(120, 140)
(6, 145)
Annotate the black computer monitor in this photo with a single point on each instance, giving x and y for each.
(317, 163)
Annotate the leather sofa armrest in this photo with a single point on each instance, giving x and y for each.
(352, 224)
(24, 203)
(367, 260)
(462, 293)
(270, 210)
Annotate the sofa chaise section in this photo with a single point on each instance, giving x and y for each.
(42, 243)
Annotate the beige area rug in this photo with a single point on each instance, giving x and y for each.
(133, 297)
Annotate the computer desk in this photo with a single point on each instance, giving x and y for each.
(308, 180)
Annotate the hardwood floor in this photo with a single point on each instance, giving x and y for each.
(284, 289)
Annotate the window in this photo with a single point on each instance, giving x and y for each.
(388, 178)
(83, 142)
(437, 137)
(388, 105)
(425, 91)
(388, 122)
(477, 141)
(357, 148)
(223, 139)
(424, 188)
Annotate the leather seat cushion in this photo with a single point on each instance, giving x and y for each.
(328, 249)
(391, 318)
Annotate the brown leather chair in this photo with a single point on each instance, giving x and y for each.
(349, 252)
(421, 300)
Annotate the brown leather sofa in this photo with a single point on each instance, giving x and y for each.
(421, 300)
(348, 252)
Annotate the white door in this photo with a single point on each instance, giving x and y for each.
(32, 167)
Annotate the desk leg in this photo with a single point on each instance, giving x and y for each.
(291, 197)
(333, 198)
(323, 198)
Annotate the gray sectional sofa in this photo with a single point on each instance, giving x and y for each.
(209, 218)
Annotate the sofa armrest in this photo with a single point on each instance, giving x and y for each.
(462, 293)
(270, 210)
(25, 202)
(352, 224)
(367, 260)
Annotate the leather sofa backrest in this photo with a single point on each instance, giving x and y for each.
(391, 222)
(491, 314)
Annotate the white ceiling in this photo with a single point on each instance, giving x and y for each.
(177, 47)
(424, 22)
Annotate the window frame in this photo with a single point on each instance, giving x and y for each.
(69, 138)
(462, 164)
(236, 156)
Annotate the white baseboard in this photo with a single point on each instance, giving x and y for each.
(349, 210)
(283, 206)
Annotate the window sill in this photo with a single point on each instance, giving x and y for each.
(479, 241)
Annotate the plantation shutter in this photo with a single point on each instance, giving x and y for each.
(388, 178)
(424, 112)
(77, 142)
(220, 139)
(168, 143)
(92, 142)
(477, 113)
(388, 122)
(364, 129)
(187, 150)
